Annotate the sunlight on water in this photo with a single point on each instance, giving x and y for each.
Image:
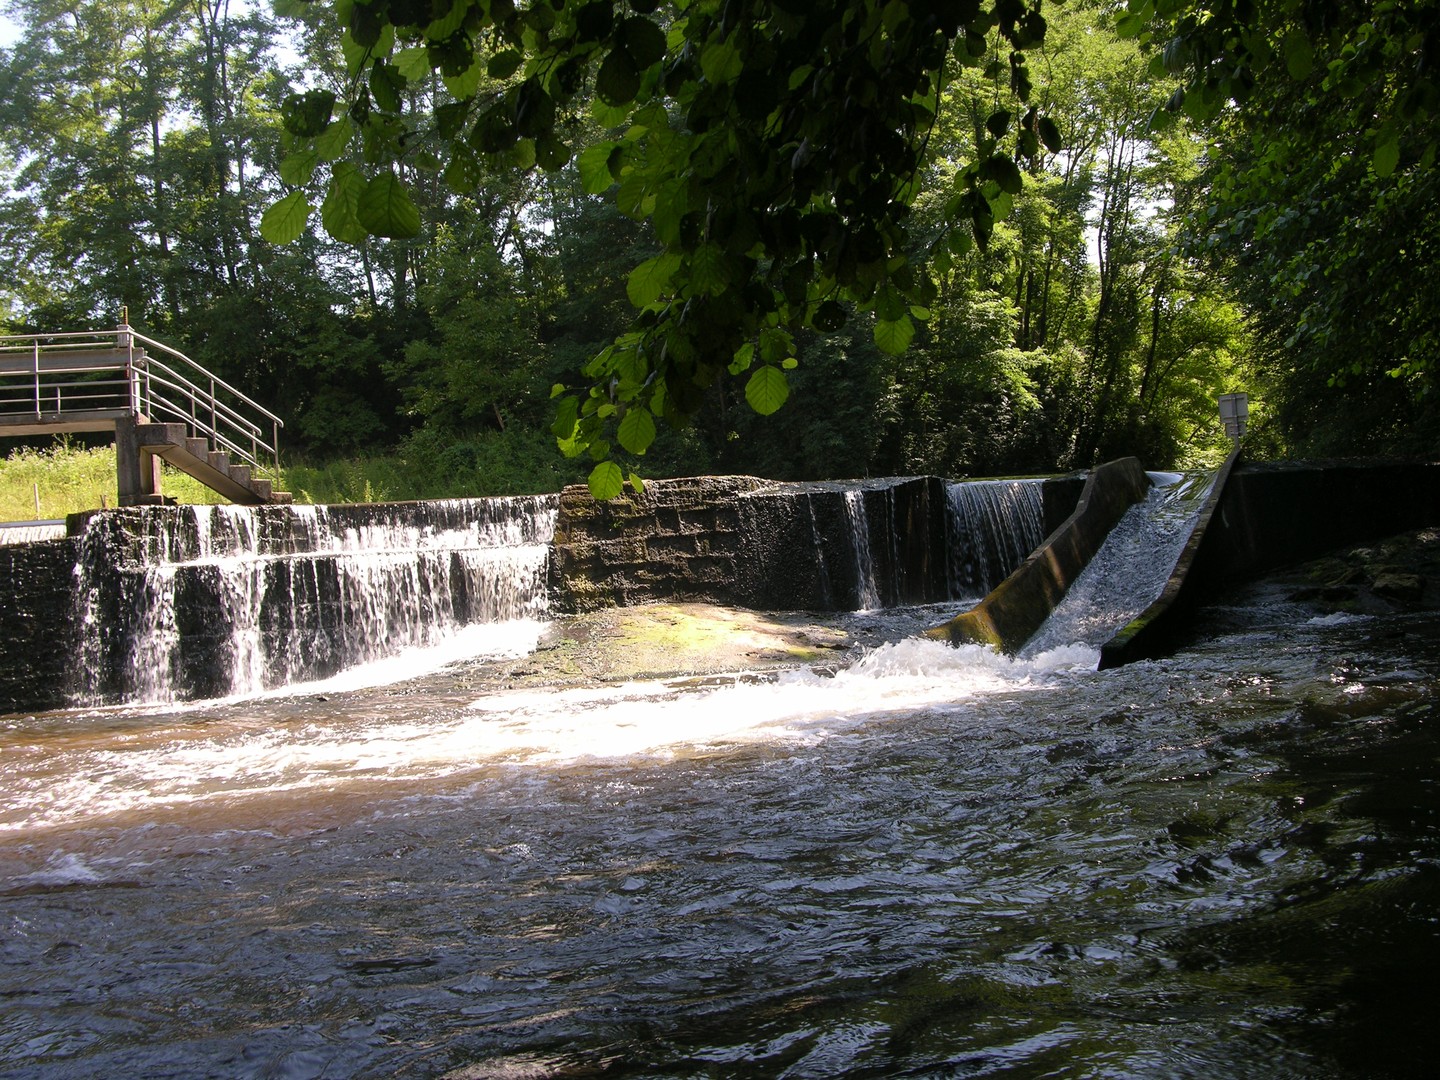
(187, 761)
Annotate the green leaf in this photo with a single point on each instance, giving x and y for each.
(617, 82)
(1004, 172)
(296, 169)
(504, 64)
(338, 211)
(567, 415)
(285, 221)
(467, 82)
(386, 84)
(743, 358)
(1050, 135)
(331, 143)
(594, 165)
(385, 208)
(775, 345)
(894, 337)
(648, 281)
(889, 303)
(767, 390)
(637, 483)
(828, 317)
(721, 62)
(606, 481)
(1299, 56)
(551, 153)
(1387, 154)
(413, 62)
(307, 114)
(643, 41)
(709, 272)
(637, 430)
(445, 26)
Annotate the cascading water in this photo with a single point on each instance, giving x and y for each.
(1131, 568)
(993, 526)
(223, 601)
(929, 861)
(867, 594)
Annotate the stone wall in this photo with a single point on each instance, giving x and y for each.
(742, 541)
(38, 640)
(679, 540)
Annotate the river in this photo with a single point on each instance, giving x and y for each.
(931, 862)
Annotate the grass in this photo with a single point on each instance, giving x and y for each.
(63, 479)
(69, 479)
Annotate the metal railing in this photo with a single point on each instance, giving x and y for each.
(62, 378)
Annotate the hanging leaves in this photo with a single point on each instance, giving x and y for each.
(385, 208)
(767, 390)
(285, 221)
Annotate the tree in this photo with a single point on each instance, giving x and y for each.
(1323, 208)
(774, 145)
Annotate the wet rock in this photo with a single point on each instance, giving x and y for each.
(1397, 585)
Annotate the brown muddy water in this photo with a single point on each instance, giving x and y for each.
(908, 861)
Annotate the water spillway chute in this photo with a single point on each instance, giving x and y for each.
(1131, 568)
(1113, 568)
(1016, 608)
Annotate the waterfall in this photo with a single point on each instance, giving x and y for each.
(994, 525)
(867, 595)
(214, 601)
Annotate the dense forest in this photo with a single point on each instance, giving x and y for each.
(438, 241)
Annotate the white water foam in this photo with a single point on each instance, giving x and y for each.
(327, 595)
(186, 764)
(1131, 568)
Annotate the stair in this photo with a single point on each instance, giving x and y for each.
(194, 457)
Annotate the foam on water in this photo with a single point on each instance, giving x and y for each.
(186, 763)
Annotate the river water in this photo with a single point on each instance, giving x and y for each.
(934, 862)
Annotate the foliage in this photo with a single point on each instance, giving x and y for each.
(72, 479)
(775, 148)
(855, 215)
(1322, 206)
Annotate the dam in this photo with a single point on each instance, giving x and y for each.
(902, 858)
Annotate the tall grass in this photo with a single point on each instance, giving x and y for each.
(71, 479)
(65, 479)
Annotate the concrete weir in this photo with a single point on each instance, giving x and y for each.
(1016, 608)
(177, 603)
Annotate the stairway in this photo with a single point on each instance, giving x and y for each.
(161, 405)
(213, 468)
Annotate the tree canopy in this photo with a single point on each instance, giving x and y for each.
(967, 239)
(775, 146)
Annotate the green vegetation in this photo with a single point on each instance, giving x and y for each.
(71, 479)
(794, 238)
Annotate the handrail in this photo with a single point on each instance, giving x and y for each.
(154, 382)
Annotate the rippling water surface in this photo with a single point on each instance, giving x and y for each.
(933, 863)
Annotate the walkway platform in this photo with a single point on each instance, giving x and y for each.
(161, 405)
